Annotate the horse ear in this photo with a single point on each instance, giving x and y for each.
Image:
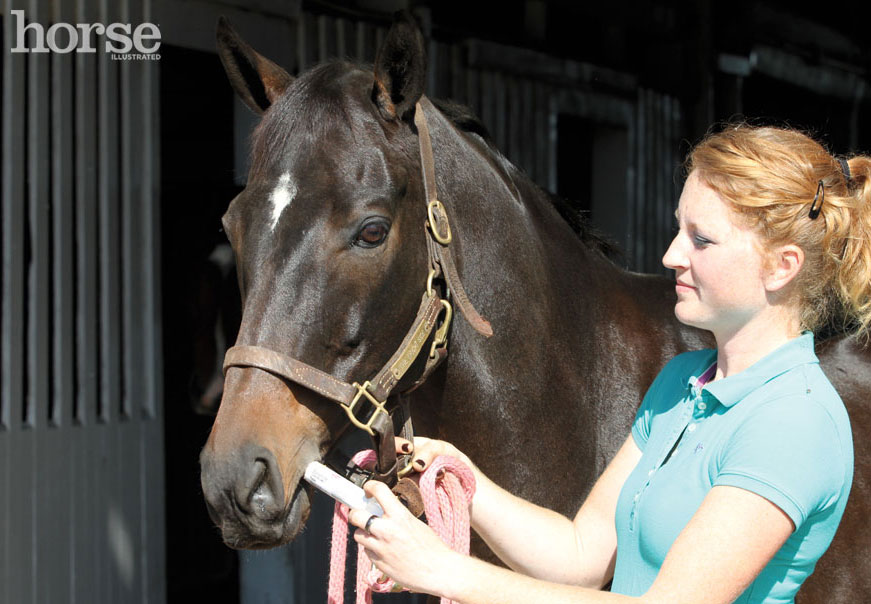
(400, 68)
(257, 80)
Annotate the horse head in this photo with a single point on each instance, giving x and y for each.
(332, 261)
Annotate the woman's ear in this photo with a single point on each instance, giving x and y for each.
(785, 262)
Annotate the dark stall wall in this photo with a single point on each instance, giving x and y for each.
(196, 186)
(81, 414)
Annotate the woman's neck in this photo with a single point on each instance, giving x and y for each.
(738, 350)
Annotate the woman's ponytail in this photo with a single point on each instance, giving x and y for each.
(853, 249)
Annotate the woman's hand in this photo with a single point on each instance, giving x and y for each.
(425, 450)
(401, 546)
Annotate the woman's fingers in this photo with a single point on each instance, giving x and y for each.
(385, 497)
(423, 450)
(404, 446)
(426, 450)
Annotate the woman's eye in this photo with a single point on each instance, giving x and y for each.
(372, 234)
(700, 241)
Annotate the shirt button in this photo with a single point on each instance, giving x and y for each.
(691, 428)
(703, 406)
(637, 495)
(650, 473)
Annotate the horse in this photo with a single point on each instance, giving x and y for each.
(214, 315)
(334, 251)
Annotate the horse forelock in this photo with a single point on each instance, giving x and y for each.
(313, 106)
(331, 94)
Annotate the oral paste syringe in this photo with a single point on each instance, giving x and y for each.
(341, 489)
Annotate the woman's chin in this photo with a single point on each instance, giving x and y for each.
(684, 313)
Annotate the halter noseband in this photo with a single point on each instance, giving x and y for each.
(354, 397)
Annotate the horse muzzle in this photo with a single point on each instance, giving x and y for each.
(245, 498)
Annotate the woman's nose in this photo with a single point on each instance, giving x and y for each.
(674, 258)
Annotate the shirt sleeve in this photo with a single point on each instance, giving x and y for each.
(787, 451)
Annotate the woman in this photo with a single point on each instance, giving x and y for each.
(737, 470)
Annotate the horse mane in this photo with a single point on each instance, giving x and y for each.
(589, 235)
(465, 119)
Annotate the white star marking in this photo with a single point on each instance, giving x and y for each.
(281, 196)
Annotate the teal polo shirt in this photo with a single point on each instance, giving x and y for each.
(778, 429)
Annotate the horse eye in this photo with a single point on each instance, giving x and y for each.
(372, 234)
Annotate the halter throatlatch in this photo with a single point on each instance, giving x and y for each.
(366, 403)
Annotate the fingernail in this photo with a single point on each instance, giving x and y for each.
(419, 463)
(406, 448)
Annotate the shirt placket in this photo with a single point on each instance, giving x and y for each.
(691, 406)
(701, 404)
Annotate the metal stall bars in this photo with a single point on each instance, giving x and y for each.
(81, 458)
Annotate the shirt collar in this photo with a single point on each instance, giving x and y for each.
(795, 352)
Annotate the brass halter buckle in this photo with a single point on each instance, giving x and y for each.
(379, 406)
(438, 217)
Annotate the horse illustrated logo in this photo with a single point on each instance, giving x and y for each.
(121, 38)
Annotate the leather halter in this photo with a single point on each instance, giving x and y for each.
(353, 397)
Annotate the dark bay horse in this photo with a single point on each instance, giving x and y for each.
(214, 315)
(332, 254)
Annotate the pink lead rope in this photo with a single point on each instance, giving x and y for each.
(447, 487)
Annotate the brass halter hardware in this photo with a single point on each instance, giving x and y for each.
(438, 217)
(440, 340)
(379, 407)
(432, 274)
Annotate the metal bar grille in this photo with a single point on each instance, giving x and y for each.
(81, 509)
(656, 187)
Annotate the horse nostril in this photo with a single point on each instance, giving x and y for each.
(259, 491)
(261, 499)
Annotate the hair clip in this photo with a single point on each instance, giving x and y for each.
(845, 168)
(821, 196)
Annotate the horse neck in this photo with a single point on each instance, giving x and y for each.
(576, 340)
(509, 237)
